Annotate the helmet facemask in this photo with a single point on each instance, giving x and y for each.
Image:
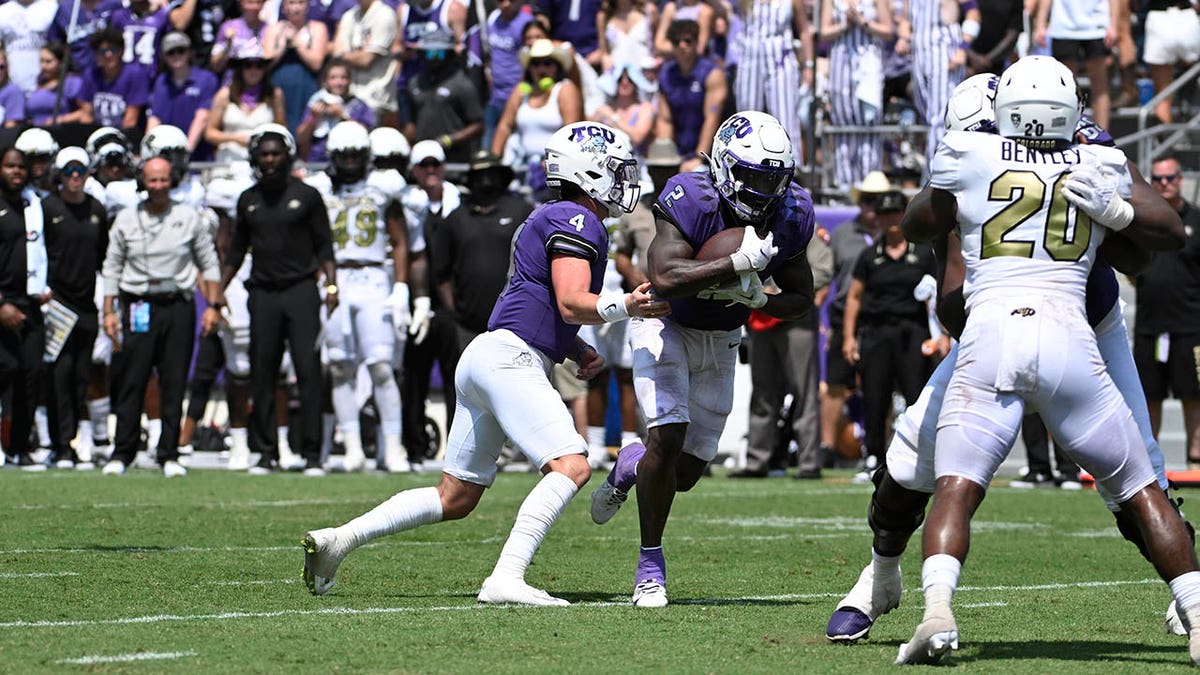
(752, 190)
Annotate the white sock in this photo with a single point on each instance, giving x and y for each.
(284, 445)
(153, 435)
(99, 410)
(83, 436)
(628, 437)
(884, 565)
(597, 448)
(404, 511)
(392, 446)
(352, 441)
(42, 420)
(939, 578)
(1186, 589)
(537, 514)
(239, 439)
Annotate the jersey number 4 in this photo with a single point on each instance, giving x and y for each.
(1027, 193)
(364, 223)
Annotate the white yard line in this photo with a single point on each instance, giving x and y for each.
(258, 582)
(125, 658)
(36, 575)
(349, 611)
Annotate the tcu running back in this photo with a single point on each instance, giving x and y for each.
(365, 326)
(683, 366)
(1032, 210)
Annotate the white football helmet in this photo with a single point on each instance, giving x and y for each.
(37, 143)
(389, 142)
(271, 129)
(972, 106)
(752, 163)
(349, 148)
(102, 137)
(170, 142)
(598, 159)
(1037, 100)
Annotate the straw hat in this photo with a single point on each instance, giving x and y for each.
(875, 183)
(543, 49)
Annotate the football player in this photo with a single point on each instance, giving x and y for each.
(365, 326)
(1028, 243)
(906, 481)
(683, 366)
(170, 142)
(503, 379)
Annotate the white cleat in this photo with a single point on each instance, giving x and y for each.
(502, 590)
(1190, 618)
(323, 552)
(935, 637)
(867, 600)
(606, 501)
(1174, 621)
(239, 459)
(353, 462)
(288, 460)
(173, 469)
(649, 594)
(114, 467)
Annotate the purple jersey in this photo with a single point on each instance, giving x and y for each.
(110, 99)
(12, 103)
(504, 39)
(89, 21)
(39, 105)
(691, 202)
(685, 95)
(142, 34)
(573, 21)
(527, 305)
(417, 22)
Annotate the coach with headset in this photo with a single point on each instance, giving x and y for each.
(285, 222)
(154, 252)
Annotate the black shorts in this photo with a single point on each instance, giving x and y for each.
(838, 373)
(1074, 51)
(1179, 376)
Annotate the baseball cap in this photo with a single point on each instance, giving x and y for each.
(175, 40)
(427, 150)
(890, 202)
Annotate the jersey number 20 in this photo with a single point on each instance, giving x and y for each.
(1027, 193)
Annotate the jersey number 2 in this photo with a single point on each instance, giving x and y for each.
(1027, 193)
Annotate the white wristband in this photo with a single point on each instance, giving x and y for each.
(611, 307)
(1118, 215)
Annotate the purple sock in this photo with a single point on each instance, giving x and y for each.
(652, 566)
(624, 473)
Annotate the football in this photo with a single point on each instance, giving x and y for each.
(721, 244)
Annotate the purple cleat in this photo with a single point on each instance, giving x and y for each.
(613, 492)
(870, 599)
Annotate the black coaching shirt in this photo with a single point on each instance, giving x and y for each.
(76, 240)
(1168, 291)
(471, 250)
(888, 296)
(13, 271)
(288, 231)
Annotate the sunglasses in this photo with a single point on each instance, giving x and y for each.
(1165, 178)
(542, 62)
(177, 51)
(255, 64)
(429, 164)
(74, 171)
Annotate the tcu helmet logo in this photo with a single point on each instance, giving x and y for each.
(593, 138)
(736, 126)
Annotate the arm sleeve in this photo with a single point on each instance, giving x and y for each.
(101, 217)
(322, 237)
(204, 252)
(947, 162)
(114, 257)
(208, 89)
(579, 235)
(239, 240)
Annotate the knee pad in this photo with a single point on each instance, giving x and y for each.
(381, 373)
(341, 371)
(895, 513)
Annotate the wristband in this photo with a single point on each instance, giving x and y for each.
(445, 140)
(1118, 215)
(611, 307)
(965, 45)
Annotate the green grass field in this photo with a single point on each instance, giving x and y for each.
(202, 574)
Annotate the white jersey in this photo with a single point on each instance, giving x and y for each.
(388, 181)
(417, 207)
(1018, 231)
(191, 192)
(357, 219)
(120, 195)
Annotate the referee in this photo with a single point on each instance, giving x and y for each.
(285, 222)
(154, 252)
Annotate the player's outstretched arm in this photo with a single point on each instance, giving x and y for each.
(674, 273)
(572, 277)
(795, 280)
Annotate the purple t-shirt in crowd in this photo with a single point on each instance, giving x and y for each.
(574, 21)
(330, 11)
(504, 38)
(177, 105)
(12, 103)
(142, 35)
(88, 22)
(110, 99)
(685, 95)
(355, 110)
(419, 21)
(39, 105)
(691, 202)
(527, 305)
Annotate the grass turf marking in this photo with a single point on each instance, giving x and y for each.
(125, 658)
(36, 575)
(349, 611)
